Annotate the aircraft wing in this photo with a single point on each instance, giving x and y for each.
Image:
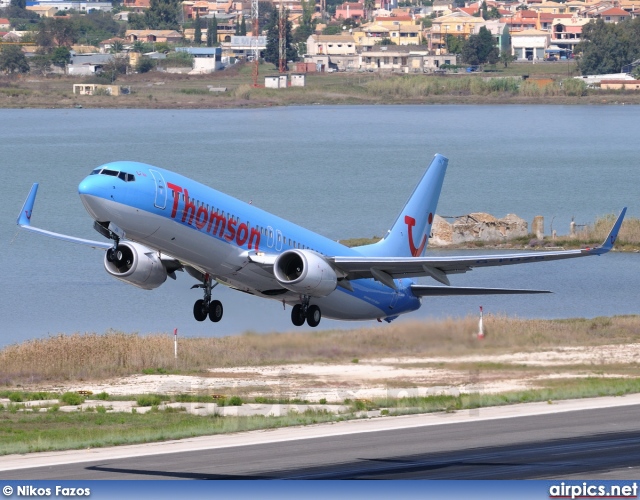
(385, 269)
(443, 291)
(24, 221)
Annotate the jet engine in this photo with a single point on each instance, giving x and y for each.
(135, 264)
(305, 272)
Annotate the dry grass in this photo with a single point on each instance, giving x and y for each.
(629, 232)
(95, 356)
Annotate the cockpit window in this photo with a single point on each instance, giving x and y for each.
(114, 173)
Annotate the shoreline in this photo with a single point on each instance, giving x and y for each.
(156, 90)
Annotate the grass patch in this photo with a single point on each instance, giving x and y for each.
(23, 432)
(195, 91)
(30, 432)
(94, 356)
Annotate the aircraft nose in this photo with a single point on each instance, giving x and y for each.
(92, 191)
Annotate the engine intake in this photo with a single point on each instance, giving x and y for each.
(135, 264)
(305, 272)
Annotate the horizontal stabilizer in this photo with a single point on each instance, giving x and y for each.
(441, 291)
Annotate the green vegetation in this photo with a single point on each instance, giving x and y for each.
(72, 398)
(606, 47)
(24, 431)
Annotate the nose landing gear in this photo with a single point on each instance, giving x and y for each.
(207, 307)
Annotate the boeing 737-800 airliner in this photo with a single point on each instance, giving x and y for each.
(159, 222)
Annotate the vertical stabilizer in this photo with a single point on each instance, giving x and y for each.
(409, 233)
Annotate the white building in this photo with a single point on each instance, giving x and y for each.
(529, 44)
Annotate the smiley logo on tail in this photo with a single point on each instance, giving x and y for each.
(410, 222)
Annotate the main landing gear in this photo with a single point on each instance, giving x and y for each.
(304, 312)
(207, 307)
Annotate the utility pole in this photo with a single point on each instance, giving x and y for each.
(282, 39)
(254, 40)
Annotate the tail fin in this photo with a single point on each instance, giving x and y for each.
(408, 235)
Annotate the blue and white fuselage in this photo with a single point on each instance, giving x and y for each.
(216, 233)
(160, 222)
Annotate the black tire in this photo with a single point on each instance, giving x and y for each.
(200, 310)
(215, 311)
(297, 316)
(313, 316)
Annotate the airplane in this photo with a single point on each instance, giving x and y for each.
(159, 222)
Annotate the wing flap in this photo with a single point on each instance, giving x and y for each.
(443, 291)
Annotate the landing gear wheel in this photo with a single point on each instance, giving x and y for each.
(200, 310)
(215, 311)
(313, 316)
(297, 315)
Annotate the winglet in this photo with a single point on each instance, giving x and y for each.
(610, 240)
(24, 219)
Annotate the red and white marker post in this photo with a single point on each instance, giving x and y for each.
(480, 326)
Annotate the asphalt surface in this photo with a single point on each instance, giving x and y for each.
(602, 443)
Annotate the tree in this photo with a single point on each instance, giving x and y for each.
(145, 65)
(41, 63)
(21, 4)
(272, 52)
(454, 44)
(163, 14)
(13, 60)
(116, 47)
(505, 47)
(606, 47)
(61, 56)
(243, 27)
(369, 7)
(55, 32)
(197, 34)
(480, 48)
(212, 32)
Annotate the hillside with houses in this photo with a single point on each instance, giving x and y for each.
(84, 38)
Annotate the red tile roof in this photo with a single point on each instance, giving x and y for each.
(614, 11)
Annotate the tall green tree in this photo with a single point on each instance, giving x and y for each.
(306, 27)
(480, 48)
(13, 60)
(606, 47)
(61, 56)
(272, 52)
(163, 14)
(212, 32)
(55, 32)
(243, 27)
(197, 34)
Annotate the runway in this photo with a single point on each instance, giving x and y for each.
(594, 439)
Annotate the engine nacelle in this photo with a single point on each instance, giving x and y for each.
(136, 264)
(305, 272)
